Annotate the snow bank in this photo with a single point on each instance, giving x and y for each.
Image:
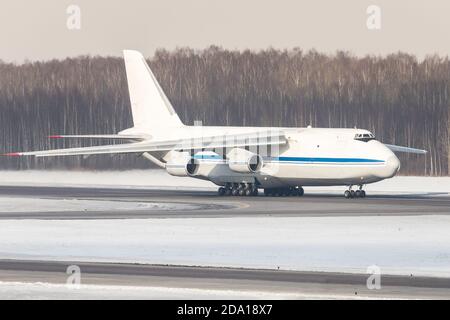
(418, 245)
(18, 204)
(41, 291)
(160, 178)
(131, 178)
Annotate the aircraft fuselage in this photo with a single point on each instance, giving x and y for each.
(311, 157)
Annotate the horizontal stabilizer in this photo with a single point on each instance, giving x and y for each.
(405, 149)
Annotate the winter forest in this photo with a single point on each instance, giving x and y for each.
(401, 99)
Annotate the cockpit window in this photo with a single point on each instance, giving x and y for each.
(364, 137)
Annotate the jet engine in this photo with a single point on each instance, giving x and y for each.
(181, 164)
(244, 161)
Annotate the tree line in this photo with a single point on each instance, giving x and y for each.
(399, 98)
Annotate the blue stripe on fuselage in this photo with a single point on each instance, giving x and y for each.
(304, 159)
(324, 160)
(207, 157)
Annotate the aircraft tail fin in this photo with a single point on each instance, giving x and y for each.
(150, 107)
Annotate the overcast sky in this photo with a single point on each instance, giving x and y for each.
(37, 30)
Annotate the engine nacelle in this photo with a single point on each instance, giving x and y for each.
(181, 164)
(244, 161)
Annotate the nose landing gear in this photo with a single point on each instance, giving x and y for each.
(349, 194)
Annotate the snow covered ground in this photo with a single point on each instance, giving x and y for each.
(130, 178)
(46, 291)
(418, 245)
(42, 291)
(19, 204)
(153, 178)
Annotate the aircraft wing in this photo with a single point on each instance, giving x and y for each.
(405, 149)
(102, 136)
(225, 141)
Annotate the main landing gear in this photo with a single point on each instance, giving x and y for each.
(360, 193)
(238, 189)
(284, 192)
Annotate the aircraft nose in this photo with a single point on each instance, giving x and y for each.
(392, 166)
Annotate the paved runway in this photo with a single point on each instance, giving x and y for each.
(291, 283)
(213, 206)
(313, 284)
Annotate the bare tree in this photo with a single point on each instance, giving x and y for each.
(402, 100)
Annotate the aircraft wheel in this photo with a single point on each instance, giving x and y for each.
(347, 194)
(352, 193)
(358, 193)
(300, 192)
(363, 194)
(248, 192)
(241, 192)
(221, 191)
(234, 192)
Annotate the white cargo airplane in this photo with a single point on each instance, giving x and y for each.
(241, 160)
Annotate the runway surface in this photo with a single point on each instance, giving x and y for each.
(313, 284)
(294, 283)
(212, 206)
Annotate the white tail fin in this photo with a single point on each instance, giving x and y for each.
(149, 105)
